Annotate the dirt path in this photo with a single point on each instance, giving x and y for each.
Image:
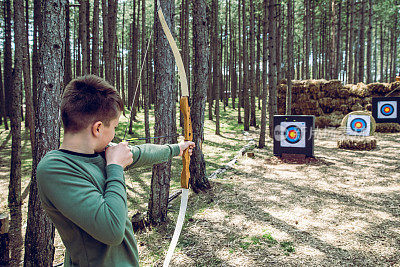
(341, 211)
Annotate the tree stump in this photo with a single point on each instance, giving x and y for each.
(139, 222)
(4, 241)
(357, 142)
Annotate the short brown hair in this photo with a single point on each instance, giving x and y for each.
(88, 99)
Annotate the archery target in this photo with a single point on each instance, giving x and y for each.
(359, 125)
(293, 134)
(387, 110)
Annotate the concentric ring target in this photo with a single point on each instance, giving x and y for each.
(358, 125)
(292, 134)
(387, 109)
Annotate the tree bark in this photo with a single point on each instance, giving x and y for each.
(240, 45)
(362, 43)
(39, 238)
(67, 59)
(313, 37)
(164, 115)
(369, 43)
(201, 75)
(272, 104)
(96, 39)
(307, 39)
(290, 63)
(245, 94)
(350, 77)
(7, 55)
(261, 141)
(14, 194)
(3, 115)
(333, 69)
(252, 67)
(83, 32)
(216, 63)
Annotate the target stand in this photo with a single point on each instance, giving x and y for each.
(293, 134)
(385, 109)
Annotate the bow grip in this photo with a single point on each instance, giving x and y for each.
(188, 133)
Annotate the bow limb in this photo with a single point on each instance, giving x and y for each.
(184, 102)
(188, 133)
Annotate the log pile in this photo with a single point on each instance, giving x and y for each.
(330, 101)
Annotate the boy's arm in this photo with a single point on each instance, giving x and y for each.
(149, 154)
(103, 216)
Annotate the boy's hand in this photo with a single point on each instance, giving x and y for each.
(119, 154)
(186, 144)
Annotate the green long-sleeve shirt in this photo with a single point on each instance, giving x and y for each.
(86, 200)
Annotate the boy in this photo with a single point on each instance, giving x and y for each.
(83, 192)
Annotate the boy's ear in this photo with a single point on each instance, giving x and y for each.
(96, 128)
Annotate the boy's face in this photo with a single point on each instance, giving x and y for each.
(108, 132)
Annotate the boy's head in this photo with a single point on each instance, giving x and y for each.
(89, 99)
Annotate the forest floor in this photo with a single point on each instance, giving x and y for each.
(341, 210)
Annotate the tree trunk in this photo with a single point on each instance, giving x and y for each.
(240, 44)
(3, 114)
(362, 43)
(145, 89)
(261, 141)
(7, 56)
(333, 70)
(96, 39)
(201, 74)
(306, 38)
(369, 43)
(393, 49)
(258, 60)
(252, 67)
(272, 104)
(216, 63)
(83, 31)
(67, 59)
(245, 71)
(106, 40)
(278, 41)
(338, 42)
(164, 115)
(29, 111)
(313, 37)
(14, 194)
(39, 238)
(232, 67)
(350, 78)
(290, 63)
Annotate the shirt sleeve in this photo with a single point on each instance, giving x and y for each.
(101, 215)
(149, 154)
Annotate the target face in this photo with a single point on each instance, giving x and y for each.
(293, 134)
(359, 125)
(387, 109)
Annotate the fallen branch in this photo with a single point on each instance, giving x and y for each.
(250, 146)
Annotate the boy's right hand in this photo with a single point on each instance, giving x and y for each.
(119, 154)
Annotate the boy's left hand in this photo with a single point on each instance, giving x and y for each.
(186, 144)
